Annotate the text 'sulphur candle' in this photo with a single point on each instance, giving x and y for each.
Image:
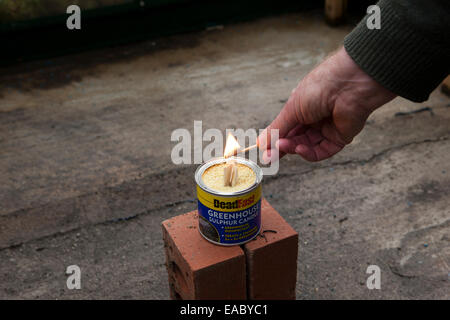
(229, 199)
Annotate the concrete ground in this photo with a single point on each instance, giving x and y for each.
(86, 175)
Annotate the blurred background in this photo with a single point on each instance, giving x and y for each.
(35, 28)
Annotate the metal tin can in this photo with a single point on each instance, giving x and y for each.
(231, 218)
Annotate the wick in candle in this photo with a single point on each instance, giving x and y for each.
(230, 173)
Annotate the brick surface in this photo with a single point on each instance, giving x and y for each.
(199, 269)
(272, 258)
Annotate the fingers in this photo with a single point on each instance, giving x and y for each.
(286, 121)
(324, 150)
(314, 136)
(288, 145)
(272, 155)
(297, 130)
(310, 143)
(299, 135)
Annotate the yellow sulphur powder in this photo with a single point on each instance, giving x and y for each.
(213, 178)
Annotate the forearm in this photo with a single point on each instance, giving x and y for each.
(348, 81)
(409, 55)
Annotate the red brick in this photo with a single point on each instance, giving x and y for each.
(199, 269)
(272, 258)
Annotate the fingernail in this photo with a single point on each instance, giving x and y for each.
(277, 144)
(266, 157)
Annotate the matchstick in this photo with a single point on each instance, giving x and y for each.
(244, 150)
(248, 149)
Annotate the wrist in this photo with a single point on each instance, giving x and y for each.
(355, 86)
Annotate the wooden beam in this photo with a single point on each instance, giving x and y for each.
(335, 11)
(446, 86)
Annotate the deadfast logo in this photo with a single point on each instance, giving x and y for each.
(234, 204)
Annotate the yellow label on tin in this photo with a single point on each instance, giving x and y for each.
(229, 204)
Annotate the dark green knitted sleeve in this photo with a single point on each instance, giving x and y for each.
(410, 53)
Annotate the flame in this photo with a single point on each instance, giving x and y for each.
(231, 146)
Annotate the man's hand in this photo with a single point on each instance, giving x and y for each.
(326, 111)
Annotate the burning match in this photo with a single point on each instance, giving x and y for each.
(232, 147)
(236, 151)
(247, 149)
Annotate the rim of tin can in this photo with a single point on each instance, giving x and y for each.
(202, 168)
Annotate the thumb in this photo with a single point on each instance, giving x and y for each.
(286, 120)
